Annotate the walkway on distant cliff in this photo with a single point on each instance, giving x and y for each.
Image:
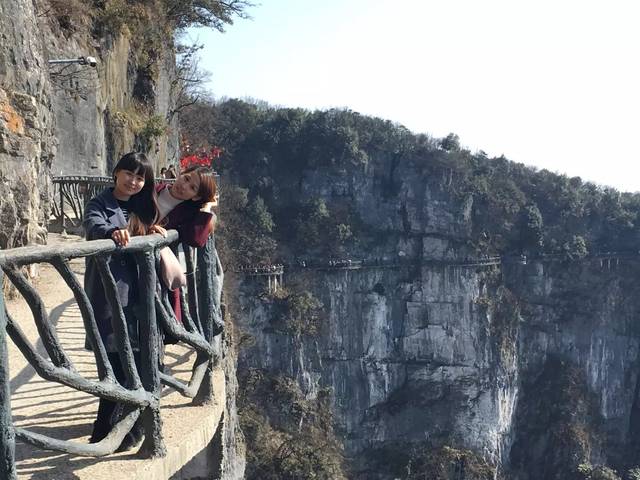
(61, 412)
(606, 260)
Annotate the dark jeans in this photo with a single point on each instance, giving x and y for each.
(104, 420)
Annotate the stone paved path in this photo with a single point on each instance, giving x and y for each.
(64, 413)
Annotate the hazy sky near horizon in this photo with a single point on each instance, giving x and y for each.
(553, 84)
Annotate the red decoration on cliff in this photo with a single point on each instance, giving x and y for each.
(202, 157)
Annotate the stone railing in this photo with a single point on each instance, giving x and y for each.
(202, 322)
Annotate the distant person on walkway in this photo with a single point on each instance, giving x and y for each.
(163, 172)
(127, 209)
(187, 206)
(170, 172)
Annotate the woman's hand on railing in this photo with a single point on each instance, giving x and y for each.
(158, 229)
(121, 237)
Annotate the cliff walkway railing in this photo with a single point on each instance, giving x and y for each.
(74, 191)
(202, 322)
(349, 264)
(605, 259)
(273, 273)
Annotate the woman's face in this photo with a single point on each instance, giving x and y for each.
(186, 186)
(128, 183)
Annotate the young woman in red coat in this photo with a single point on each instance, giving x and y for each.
(187, 206)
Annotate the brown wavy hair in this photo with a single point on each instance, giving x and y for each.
(208, 188)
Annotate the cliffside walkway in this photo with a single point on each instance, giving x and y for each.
(606, 260)
(189, 432)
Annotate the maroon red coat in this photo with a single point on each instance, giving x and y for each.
(194, 228)
(193, 225)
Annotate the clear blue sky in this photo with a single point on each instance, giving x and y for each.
(555, 84)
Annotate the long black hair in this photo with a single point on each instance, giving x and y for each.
(144, 205)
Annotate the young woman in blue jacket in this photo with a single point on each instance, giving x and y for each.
(127, 209)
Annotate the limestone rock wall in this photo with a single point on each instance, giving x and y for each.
(97, 117)
(407, 358)
(234, 448)
(27, 142)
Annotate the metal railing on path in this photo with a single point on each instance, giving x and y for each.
(72, 192)
(201, 322)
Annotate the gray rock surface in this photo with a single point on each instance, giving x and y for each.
(95, 110)
(27, 142)
(234, 448)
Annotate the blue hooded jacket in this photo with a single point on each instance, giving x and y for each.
(102, 216)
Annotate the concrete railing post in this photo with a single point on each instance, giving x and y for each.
(61, 208)
(153, 445)
(209, 280)
(7, 434)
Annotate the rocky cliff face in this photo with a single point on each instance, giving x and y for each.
(234, 448)
(27, 141)
(101, 112)
(533, 368)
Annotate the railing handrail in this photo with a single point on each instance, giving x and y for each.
(81, 178)
(44, 253)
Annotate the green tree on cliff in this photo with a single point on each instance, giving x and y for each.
(451, 143)
(531, 229)
(206, 13)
